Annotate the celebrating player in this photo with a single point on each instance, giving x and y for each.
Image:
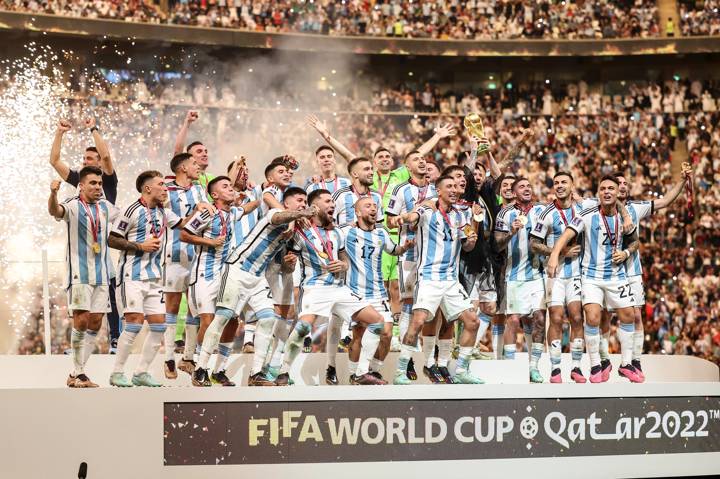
(361, 174)
(328, 178)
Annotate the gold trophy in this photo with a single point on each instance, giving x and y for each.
(473, 124)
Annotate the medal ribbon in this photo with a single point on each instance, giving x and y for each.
(223, 224)
(613, 239)
(446, 217)
(422, 191)
(381, 187)
(94, 222)
(325, 246)
(562, 213)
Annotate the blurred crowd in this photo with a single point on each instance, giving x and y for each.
(440, 19)
(635, 132)
(699, 17)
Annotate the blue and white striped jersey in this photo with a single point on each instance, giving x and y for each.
(260, 245)
(182, 201)
(550, 226)
(137, 224)
(332, 186)
(308, 244)
(246, 222)
(364, 251)
(637, 210)
(276, 192)
(209, 261)
(256, 193)
(521, 264)
(439, 243)
(84, 265)
(345, 199)
(598, 240)
(403, 199)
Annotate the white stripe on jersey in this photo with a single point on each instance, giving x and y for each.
(345, 199)
(182, 201)
(246, 222)
(596, 260)
(260, 245)
(331, 185)
(209, 261)
(276, 192)
(550, 226)
(312, 271)
(84, 266)
(403, 199)
(521, 264)
(135, 226)
(438, 244)
(638, 210)
(364, 251)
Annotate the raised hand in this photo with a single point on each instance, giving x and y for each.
(89, 122)
(55, 186)
(319, 125)
(63, 126)
(443, 131)
(191, 116)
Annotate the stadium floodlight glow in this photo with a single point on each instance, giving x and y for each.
(250, 70)
(410, 73)
(547, 81)
(676, 77)
(492, 86)
(508, 85)
(333, 72)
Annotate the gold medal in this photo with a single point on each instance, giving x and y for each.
(522, 219)
(468, 230)
(479, 218)
(96, 247)
(323, 255)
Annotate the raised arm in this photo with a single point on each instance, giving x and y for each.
(441, 132)
(181, 138)
(60, 166)
(105, 161)
(287, 216)
(55, 209)
(675, 191)
(321, 127)
(526, 136)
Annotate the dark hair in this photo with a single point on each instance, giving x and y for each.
(564, 173)
(230, 166)
(93, 149)
(433, 162)
(89, 170)
(315, 194)
(178, 160)
(144, 177)
(443, 178)
(215, 181)
(518, 180)
(501, 178)
(618, 174)
(449, 170)
(381, 149)
(293, 191)
(410, 153)
(271, 167)
(612, 178)
(194, 143)
(355, 161)
(323, 147)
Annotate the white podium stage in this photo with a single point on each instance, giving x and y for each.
(669, 426)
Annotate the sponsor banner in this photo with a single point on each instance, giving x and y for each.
(424, 430)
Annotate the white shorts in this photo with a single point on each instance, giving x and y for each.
(407, 278)
(88, 297)
(563, 291)
(281, 284)
(484, 290)
(449, 296)
(324, 300)
(239, 289)
(144, 297)
(202, 296)
(638, 290)
(613, 294)
(525, 297)
(382, 306)
(176, 278)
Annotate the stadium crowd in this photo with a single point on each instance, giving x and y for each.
(440, 19)
(682, 315)
(699, 18)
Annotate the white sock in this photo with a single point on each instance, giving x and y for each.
(576, 351)
(375, 365)
(484, 325)
(77, 343)
(444, 352)
(509, 351)
(280, 335)
(536, 350)
(169, 336)
(90, 340)
(352, 367)
(294, 344)
(555, 353)
(592, 342)
(333, 339)
(224, 351)
(191, 334)
(498, 330)
(369, 344)
(463, 361)
(638, 340)
(249, 333)
(150, 348)
(125, 344)
(263, 335)
(428, 349)
(212, 336)
(404, 322)
(604, 346)
(626, 333)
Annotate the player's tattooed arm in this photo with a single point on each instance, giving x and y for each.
(633, 243)
(287, 216)
(628, 224)
(502, 238)
(55, 209)
(116, 241)
(504, 164)
(539, 247)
